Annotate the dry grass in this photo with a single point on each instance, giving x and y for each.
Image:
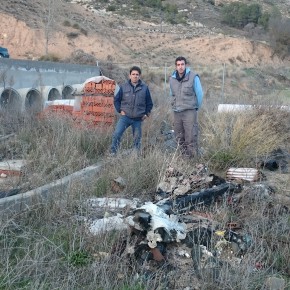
(240, 139)
(49, 247)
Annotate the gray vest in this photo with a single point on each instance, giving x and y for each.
(183, 94)
(134, 100)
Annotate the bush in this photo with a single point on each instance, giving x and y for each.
(72, 35)
(83, 31)
(264, 20)
(237, 14)
(76, 26)
(279, 30)
(66, 23)
(111, 8)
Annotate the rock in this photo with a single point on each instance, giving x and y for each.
(274, 283)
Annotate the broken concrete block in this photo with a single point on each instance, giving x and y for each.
(12, 167)
(118, 184)
(182, 189)
(274, 283)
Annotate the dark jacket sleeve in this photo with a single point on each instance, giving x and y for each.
(117, 100)
(149, 103)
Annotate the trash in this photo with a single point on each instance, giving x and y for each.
(191, 200)
(12, 167)
(113, 203)
(241, 243)
(277, 160)
(118, 184)
(157, 225)
(248, 174)
(177, 225)
(108, 224)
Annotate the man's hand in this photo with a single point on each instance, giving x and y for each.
(144, 117)
(123, 113)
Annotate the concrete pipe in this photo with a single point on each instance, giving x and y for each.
(67, 92)
(33, 101)
(50, 93)
(10, 100)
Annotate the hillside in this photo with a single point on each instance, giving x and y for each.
(117, 38)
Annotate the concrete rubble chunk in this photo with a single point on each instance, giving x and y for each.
(12, 167)
(118, 184)
(274, 283)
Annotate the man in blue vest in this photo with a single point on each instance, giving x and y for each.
(134, 103)
(187, 94)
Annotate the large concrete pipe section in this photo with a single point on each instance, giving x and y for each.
(10, 100)
(67, 92)
(33, 101)
(27, 85)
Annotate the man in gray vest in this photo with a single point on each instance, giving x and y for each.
(134, 103)
(187, 94)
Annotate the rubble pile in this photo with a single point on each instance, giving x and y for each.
(176, 231)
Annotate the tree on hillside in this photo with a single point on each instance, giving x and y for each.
(238, 14)
(51, 8)
(279, 31)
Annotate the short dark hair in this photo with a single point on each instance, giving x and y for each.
(180, 58)
(137, 68)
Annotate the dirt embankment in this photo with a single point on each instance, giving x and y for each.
(124, 45)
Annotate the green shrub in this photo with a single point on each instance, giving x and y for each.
(79, 258)
(279, 30)
(72, 35)
(76, 26)
(238, 14)
(66, 23)
(264, 20)
(111, 8)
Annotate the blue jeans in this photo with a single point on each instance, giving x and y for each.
(123, 123)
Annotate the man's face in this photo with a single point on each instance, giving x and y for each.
(180, 66)
(134, 76)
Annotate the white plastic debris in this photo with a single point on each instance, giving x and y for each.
(113, 203)
(107, 224)
(161, 227)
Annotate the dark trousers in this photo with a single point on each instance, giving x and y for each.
(186, 131)
(123, 123)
